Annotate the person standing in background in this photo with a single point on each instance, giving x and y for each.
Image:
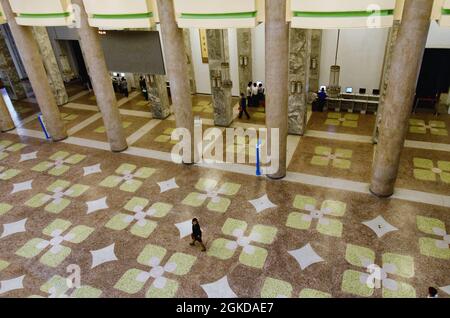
(124, 86)
(249, 93)
(255, 95)
(143, 86)
(322, 98)
(261, 96)
(243, 106)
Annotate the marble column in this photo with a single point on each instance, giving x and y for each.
(392, 38)
(187, 44)
(51, 65)
(299, 60)
(34, 66)
(314, 70)
(157, 94)
(177, 69)
(101, 81)
(244, 45)
(8, 72)
(219, 70)
(277, 50)
(6, 122)
(403, 75)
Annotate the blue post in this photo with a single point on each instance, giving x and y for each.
(41, 121)
(258, 163)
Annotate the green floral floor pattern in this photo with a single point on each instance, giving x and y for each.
(179, 264)
(376, 277)
(55, 252)
(57, 198)
(425, 170)
(433, 247)
(142, 226)
(166, 136)
(212, 194)
(7, 147)
(339, 159)
(59, 163)
(276, 288)
(435, 127)
(57, 287)
(129, 177)
(326, 223)
(6, 174)
(102, 129)
(251, 255)
(344, 120)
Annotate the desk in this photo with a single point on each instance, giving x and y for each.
(354, 102)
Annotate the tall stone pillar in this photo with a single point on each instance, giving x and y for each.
(299, 60)
(402, 81)
(157, 94)
(277, 50)
(177, 70)
(219, 70)
(51, 65)
(314, 70)
(101, 81)
(29, 52)
(187, 44)
(6, 122)
(244, 45)
(8, 72)
(392, 38)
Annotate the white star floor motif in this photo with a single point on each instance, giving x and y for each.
(380, 226)
(11, 284)
(103, 255)
(23, 186)
(445, 289)
(13, 228)
(96, 205)
(263, 203)
(28, 156)
(168, 185)
(219, 289)
(306, 256)
(185, 228)
(92, 169)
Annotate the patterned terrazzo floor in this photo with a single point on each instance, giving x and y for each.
(124, 219)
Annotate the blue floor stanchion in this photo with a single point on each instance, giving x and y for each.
(258, 163)
(41, 121)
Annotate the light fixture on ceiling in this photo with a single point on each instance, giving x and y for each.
(333, 88)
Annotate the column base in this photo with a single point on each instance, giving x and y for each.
(275, 177)
(3, 131)
(382, 196)
(60, 139)
(188, 163)
(114, 150)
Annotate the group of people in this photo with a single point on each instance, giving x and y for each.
(255, 98)
(121, 86)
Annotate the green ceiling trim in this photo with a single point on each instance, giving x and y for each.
(233, 15)
(44, 15)
(124, 16)
(342, 14)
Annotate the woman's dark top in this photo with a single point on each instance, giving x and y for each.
(196, 230)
